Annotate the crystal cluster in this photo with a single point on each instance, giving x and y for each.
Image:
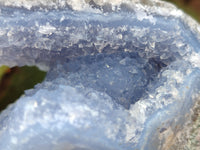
(122, 75)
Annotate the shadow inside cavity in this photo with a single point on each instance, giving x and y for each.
(124, 76)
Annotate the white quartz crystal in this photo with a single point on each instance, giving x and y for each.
(122, 75)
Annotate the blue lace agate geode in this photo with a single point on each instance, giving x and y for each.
(121, 75)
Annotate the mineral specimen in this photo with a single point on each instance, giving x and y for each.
(122, 75)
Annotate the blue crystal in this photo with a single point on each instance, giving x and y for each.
(119, 77)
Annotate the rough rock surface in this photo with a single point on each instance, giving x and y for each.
(122, 75)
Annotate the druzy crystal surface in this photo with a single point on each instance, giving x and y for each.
(122, 75)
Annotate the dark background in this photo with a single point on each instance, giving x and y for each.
(191, 7)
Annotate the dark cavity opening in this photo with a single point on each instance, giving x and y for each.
(14, 81)
(125, 76)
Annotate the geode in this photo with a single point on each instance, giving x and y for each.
(122, 75)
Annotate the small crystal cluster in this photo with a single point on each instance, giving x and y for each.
(122, 75)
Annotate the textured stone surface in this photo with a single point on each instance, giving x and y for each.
(121, 75)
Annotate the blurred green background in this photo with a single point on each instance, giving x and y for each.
(191, 7)
(13, 81)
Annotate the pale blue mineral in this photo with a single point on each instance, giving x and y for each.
(122, 75)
